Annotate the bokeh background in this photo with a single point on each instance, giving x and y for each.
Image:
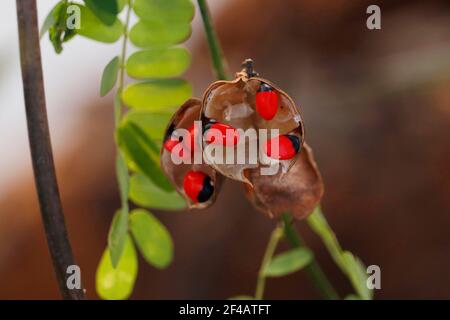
(377, 111)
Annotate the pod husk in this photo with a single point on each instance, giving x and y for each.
(184, 118)
(296, 192)
(222, 98)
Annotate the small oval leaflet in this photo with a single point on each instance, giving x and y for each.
(152, 238)
(158, 63)
(157, 95)
(159, 34)
(288, 262)
(145, 193)
(118, 283)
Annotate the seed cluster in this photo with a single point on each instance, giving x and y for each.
(248, 102)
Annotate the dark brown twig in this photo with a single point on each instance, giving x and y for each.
(40, 146)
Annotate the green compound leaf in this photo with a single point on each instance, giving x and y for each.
(158, 63)
(159, 34)
(117, 235)
(117, 283)
(157, 95)
(105, 10)
(288, 262)
(152, 238)
(168, 10)
(144, 192)
(93, 28)
(152, 123)
(109, 76)
(141, 154)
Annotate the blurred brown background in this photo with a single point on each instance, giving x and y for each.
(377, 111)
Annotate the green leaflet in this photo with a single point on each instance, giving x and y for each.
(358, 276)
(152, 123)
(105, 10)
(157, 95)
(167, 10)
(51, 19)
(158, 63)
(159, 34)
(288, 262)
(123, 179)
(152, 238)
(121, 4)
(141, 152)
(109, 76)
(117, 283)
(145, 193)
(117, 235)
(93, 28)
(56, 23)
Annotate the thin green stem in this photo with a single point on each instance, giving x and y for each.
(122, 61)
(313, 269)
(351, 266)
(275, 237)
(219, 62)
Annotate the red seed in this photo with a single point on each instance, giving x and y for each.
(266, 102)
(170, 143)
(188, 147)
(288, 145)
(222, 128)
(183, 152)
(198, 186)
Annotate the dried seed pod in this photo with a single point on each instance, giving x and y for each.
(197, 183)
(250, 102)
(298, 191)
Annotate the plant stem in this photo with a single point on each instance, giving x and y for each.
(313, 269)
(122, 61)
(275, 237)
(215, 50)
(41, 149)
(120, 161)
(348, 264)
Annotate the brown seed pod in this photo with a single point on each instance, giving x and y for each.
(297, 192)
(197, 183)
(250, 102)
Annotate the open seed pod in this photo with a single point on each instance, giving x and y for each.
(250, 102)
(296, 192)
(197, 182)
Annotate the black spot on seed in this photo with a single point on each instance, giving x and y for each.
(207, 190)
(295, 142)
(264, 88)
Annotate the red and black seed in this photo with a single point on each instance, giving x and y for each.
(289, 146)
(198, 186)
